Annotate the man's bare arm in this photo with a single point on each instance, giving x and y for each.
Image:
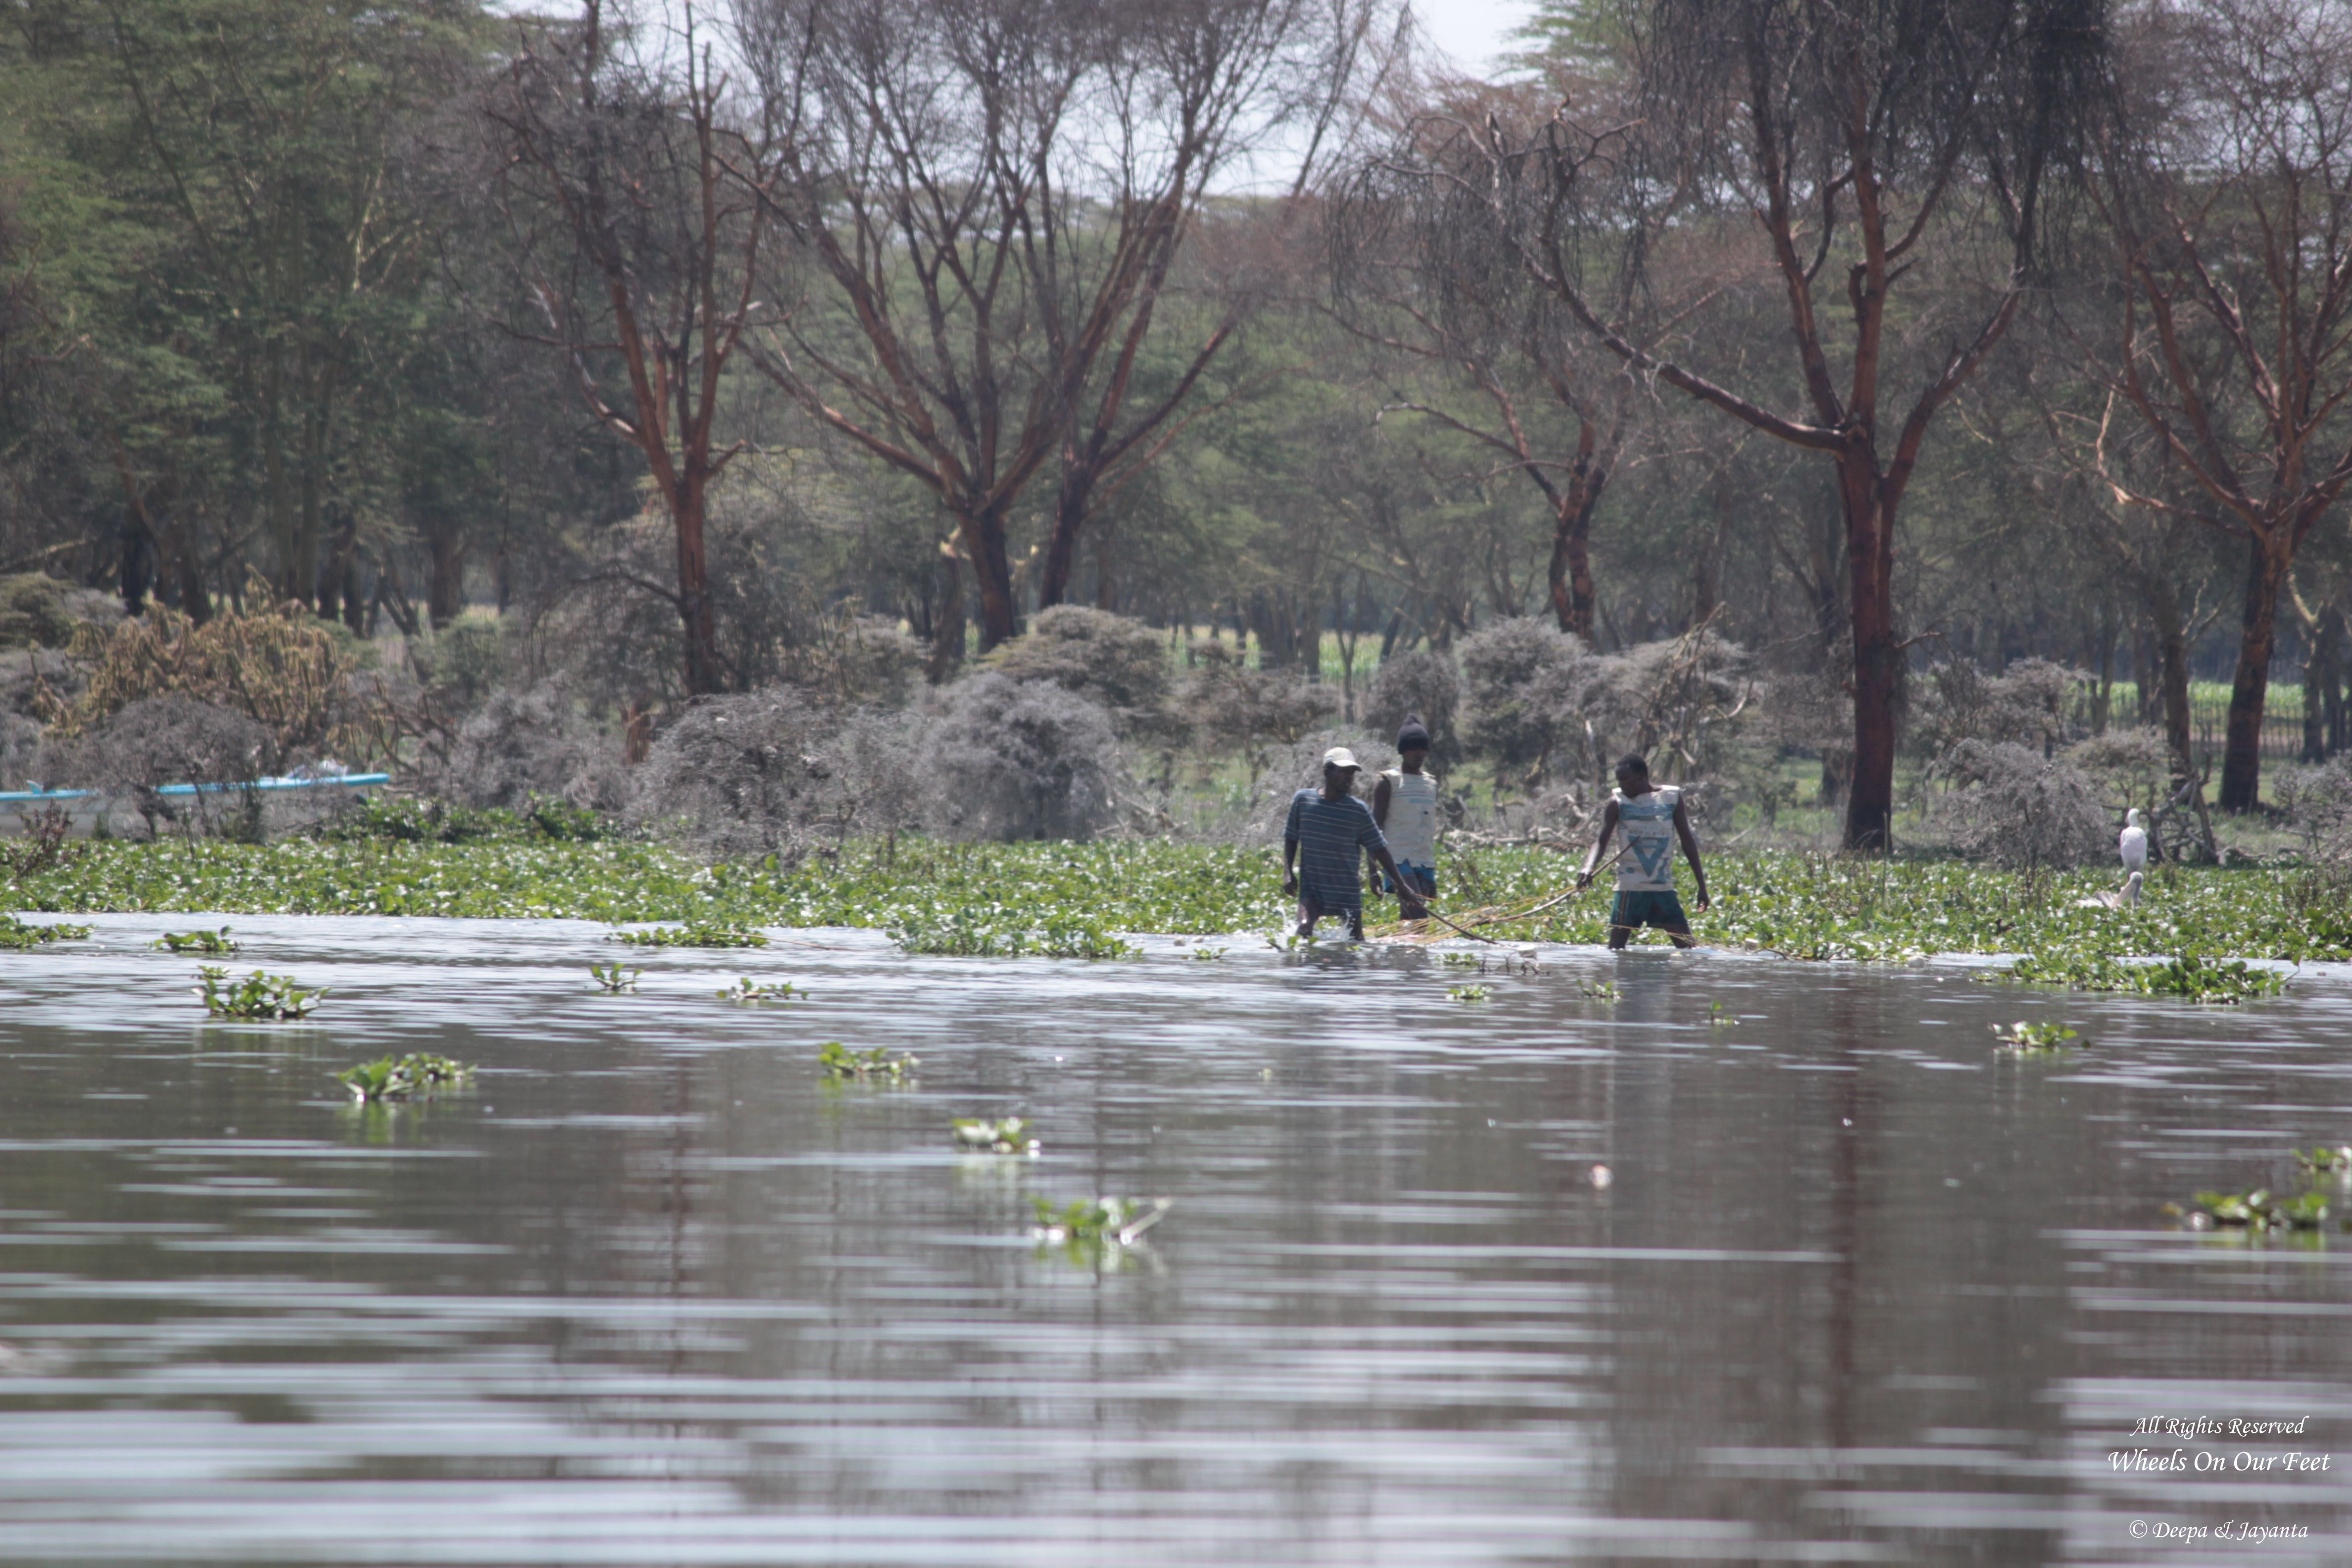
(1599, 845)
(1690, 850)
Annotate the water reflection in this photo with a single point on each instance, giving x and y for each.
(653, 1292)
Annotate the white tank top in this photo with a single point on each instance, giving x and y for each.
(1647, 821)
(1411, 826)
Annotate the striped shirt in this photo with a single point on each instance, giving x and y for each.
(1331, 836)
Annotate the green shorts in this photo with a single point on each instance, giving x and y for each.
(1665, 911)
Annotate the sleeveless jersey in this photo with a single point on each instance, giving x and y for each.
(1647, 821)
(1411, 826)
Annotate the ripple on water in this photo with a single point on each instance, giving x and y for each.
(651, 1292)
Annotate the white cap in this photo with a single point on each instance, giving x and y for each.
(1340, 757)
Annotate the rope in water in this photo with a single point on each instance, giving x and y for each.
(1556, 900)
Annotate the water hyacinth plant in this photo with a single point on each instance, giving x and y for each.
(613, 980)
(2260, 1210)
(197, 941)
(2193, 977)
(1798, 905)
(695, 933)
(1470, 993)
(1113, 1222)
(2325, 1161)
(979, 1135)
(19, 936)
(994, 932)
(2032, 1039)
(748, 990)
(402, 1078)
(257, 998)
(837, 1061)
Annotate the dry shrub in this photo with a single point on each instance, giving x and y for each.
(1525, 683)
(2016, 810)
(20, 745)
(1676, 702)
(2130, 766)
(282, 668)
(1233, 708)
(526, 745)
(37, 611)
(1114, 661)
(780, 772)
(172, 740)
(1017, 760)
(1424, 683)
(2318, 807)
(855, 658)
(2028, 704)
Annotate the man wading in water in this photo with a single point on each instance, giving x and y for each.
(1652, 819)
(1328, 829)
(1405, 803)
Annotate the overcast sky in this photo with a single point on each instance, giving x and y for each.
(1472, 31)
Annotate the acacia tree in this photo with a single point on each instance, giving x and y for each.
(639, 227)
(1858, 136)
(1420, 273)
(257, 141)
(2228, 190)
(995, 195)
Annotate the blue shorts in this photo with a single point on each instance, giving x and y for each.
(1421, 879)
(1636, 909)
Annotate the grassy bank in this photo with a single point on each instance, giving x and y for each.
(1804, 905)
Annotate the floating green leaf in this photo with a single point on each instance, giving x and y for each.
(747, 990)
(197, 941)
(2260, 1210)
(978, 1136)
(1116, 1222)
(19, 936)
(402, 1078)
(699, 934)
(2030, 1039)
(838, 1062)
(614, 979)
(257, 998)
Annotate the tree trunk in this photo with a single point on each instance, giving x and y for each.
(704, 673)
(138, 564)
(1062, 549)
(946, 629)
(444, 576)
(984, 545)
(2241, 746)
(2318, 682)
(2172, 675)
(1877, 658)
(1570, 574)
(1105, 584)
(188, 566)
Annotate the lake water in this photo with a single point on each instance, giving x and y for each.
(651, 1292)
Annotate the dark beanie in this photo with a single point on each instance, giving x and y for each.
(1414, 736)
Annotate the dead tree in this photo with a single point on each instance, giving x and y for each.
(993, 195)
(1420, 272)
(2227, 188)
(1858, 136)
(639, 243)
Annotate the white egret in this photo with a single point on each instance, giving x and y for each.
(2133, 842)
